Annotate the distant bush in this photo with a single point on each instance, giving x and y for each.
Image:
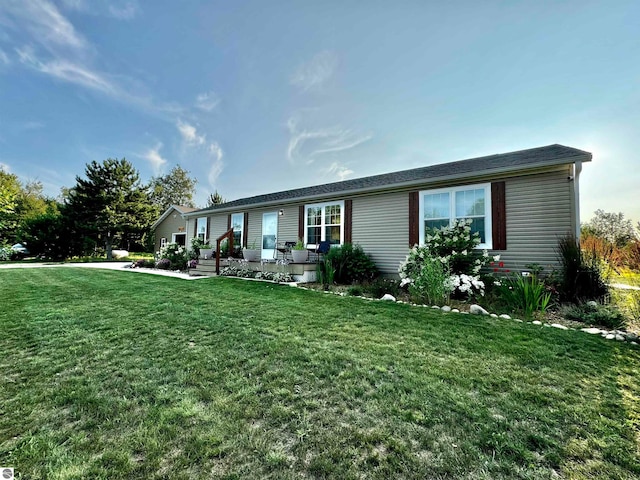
(5, 253)
(351, 264)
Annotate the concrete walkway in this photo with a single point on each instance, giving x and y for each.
(121, 266)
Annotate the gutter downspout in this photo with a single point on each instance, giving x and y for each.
(577, 168)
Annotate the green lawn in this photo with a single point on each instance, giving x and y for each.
(109, 375)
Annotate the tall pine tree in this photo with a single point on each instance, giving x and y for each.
(109, 202)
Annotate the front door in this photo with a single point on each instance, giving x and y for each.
(269, 235)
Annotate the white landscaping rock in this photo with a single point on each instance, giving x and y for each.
(493, 315)
(592, 303)
(505, 316)
(537, 322)
(455, 310)
(477, 310)
(446, 308)
(119, 253)
(436, 307)
(561, 327)
(592, 330)
(611, 336)
(619, 337)
(388, 298)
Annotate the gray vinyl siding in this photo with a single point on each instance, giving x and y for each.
(168, 227)
(540, 210)
(380, 225)
(287, 224)
(218, 225)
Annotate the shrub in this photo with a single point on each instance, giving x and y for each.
(378, 287)
(355, 291)
(163, 264)
(593, 313)
(431, 283)
(582, 273)
(454, 247)
(526, 295)
(176, 254)
(5, 253)
(351, 264)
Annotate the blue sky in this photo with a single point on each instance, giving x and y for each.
(255, 97)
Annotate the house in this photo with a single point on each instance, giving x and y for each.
(171, 226)
(520, 202)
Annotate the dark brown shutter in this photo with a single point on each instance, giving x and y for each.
(245, 229)
(414, 221)
(228, 222)
(348, 207)
(301, 222)
(195, 227)
(208, 229)
(499, 216)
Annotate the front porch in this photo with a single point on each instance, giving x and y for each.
(301, 272)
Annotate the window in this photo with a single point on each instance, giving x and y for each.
(324, 222)
(163, 242)
(237, 223)
(201, 229)
(441, 207)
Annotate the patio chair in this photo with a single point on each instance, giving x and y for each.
(322, 249)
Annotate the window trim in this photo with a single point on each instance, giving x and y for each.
(488, 220)
(205, 228)
(323, 224)
(242, 232)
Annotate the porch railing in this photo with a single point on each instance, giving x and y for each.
(229, 235)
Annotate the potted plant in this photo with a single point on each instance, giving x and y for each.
(252, 253)
(299, 252)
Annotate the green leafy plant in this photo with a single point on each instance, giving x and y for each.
(524, 294)
(582, 273)
(593, 313)
(454, 247)
(176, 254)
(429, 285)
(351, 264)
(325, 273)
(299, 245)
(196, 244)
(378, 287)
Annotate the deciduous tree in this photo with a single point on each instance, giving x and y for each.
(174, 188)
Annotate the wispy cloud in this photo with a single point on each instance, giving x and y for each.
(207, 101)
(190, 134)
(338, 170)
(43, 22)
(48, 43)
(313, 74)
(216, 167)
(306, 144)
(155, 159)
(124, 12)
(4, 167)
(4, 58)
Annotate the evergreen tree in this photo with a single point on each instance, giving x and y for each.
(109, 202)
(215, 199)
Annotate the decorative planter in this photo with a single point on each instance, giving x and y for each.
(251, 255)
(206, 253)
(299, 256)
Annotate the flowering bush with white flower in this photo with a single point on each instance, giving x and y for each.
(176, 254)
(453, 247)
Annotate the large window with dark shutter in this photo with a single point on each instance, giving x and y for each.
(440, 207)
